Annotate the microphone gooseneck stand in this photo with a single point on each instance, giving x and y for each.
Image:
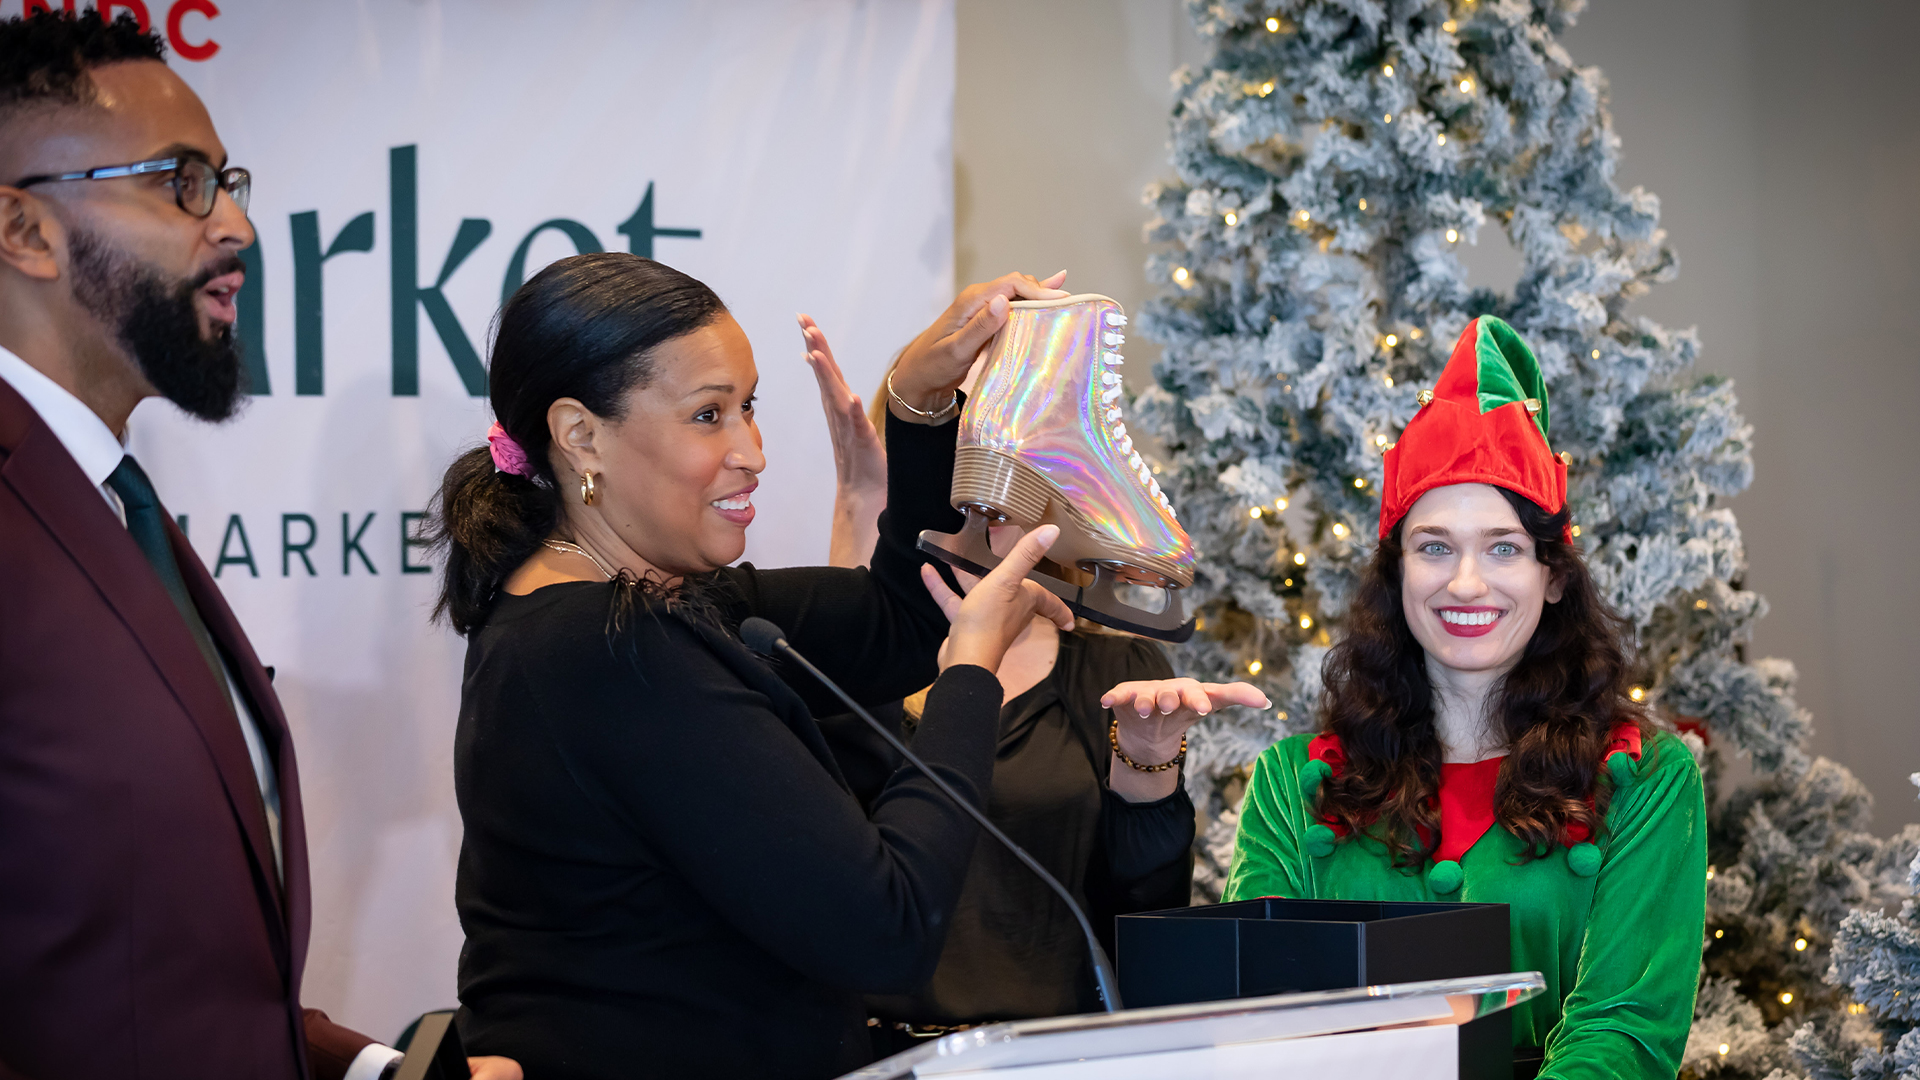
(767, 639)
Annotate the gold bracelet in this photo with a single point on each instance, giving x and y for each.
(938, 414)
(1113, 739)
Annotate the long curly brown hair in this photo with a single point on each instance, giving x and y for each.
(1557, 707)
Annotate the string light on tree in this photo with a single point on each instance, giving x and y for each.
(1254, 513)
(1306, 622)
(1181, 276)
(1254, 666)
(1786, 997)
(1639, 693)
(1390, 340)
(1387, 70)
(1232, 219)
(1273, 26)
(1299, 558)
(1453, 236)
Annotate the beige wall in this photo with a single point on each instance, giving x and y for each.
(1785, 147)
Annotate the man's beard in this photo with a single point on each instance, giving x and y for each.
(157, 321)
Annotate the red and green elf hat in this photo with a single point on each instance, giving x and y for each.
(1484, 422)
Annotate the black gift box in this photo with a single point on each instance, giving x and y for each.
(1273, 946)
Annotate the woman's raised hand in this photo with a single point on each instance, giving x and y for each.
(998, 607)
(936, 362)
(859, 457)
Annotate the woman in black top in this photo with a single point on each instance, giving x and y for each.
(1115, 827)
(663, 872)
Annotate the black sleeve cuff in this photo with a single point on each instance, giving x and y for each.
(961, 723)
(920, 479)
(1144, 837)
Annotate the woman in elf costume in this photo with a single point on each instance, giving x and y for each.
(1478, 743)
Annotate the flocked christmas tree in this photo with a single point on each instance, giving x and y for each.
(1333, 157)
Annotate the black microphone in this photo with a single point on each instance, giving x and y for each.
(767, 639)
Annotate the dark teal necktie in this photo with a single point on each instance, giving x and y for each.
(148, 526)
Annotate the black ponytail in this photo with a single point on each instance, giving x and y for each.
(585, 328)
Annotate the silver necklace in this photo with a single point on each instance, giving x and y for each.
(576, 549)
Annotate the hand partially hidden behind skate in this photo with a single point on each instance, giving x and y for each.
(998, 607)
(934, 364)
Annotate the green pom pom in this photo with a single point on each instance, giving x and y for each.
(1445, 876)
(1621, 766)
(1312, 774)
(1319, 841)
(1583, 859)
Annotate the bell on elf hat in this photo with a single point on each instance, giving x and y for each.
(1484, 422)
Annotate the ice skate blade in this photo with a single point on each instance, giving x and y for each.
(968, 550)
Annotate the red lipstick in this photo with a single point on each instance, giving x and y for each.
(1473, 628)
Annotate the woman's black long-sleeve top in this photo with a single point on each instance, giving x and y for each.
(1014, 950)
(664, 873)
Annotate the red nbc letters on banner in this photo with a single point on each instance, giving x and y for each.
(178, 41)
(176, 13)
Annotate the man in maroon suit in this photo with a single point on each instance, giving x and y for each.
(154, 900)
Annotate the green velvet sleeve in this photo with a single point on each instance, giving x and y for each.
(1268, 859)
(1631, 1003)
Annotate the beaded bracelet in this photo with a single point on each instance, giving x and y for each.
(938, 414)
(1113, 740)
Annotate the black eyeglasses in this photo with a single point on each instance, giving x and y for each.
(195, 182)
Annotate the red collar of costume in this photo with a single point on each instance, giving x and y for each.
(1467, 790)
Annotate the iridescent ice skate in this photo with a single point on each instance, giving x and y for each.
(1041, 440)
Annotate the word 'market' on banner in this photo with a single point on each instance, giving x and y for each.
(409, 296)
(362, 549)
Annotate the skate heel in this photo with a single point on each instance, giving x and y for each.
(1001, 487)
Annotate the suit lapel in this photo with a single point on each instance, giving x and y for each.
(257, 688)
(45, 477)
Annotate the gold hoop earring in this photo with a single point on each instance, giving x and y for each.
(587, 491)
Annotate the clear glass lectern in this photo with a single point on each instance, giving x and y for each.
(1408, 1031)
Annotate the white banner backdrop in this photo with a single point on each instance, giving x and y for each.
(413, 161)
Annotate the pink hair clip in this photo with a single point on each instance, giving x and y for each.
(508, 455)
